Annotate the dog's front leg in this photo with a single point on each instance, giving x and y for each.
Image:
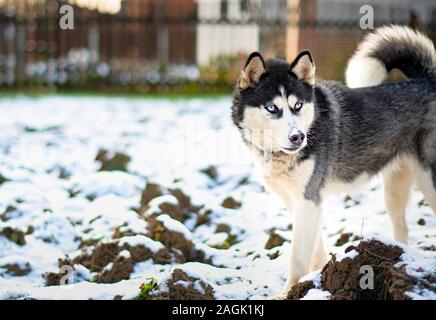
(307, 228)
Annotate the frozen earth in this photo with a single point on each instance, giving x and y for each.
(56, 203)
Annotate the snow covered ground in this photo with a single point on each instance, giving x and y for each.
(51, 189)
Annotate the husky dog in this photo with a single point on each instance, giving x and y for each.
(314, 137)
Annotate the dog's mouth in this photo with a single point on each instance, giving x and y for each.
(291, 150)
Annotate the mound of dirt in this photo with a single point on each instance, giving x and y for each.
(223, 227)
(300, 290)
(231, 203)
(274, 240)
(111, 261)
(105, 259)
(211, 172)
(180, 211)
(5, 216)
(14, 235)
(119, 269)
(176, 242)
(181, 286)
(343, 277)
(203, 216)
(14, 269)
(151, 191)
(112, 162)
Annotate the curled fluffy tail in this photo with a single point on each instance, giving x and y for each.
(388, 48)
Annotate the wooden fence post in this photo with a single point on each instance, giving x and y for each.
(293, 29)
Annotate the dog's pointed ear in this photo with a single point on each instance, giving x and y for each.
(304, 68)
(253, 70)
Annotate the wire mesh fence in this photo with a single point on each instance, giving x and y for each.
(195, 44)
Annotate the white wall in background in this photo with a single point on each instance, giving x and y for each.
(224, 38)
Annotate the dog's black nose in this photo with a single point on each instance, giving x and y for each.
(297, 139)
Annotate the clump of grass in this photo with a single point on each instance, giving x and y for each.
(146, 287)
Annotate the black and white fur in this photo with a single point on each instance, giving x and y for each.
(314, 137)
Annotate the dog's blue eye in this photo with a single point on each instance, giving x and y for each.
(298, 106)
(271, 108)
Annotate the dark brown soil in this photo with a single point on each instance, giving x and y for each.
(5, 216)
(342, 278)
(222, 227)
(183, 199)
(121, 270)
(173, 210)
(106, 253)
(203, 216)
(102, 155)
(14, 235)
(140, 253)
(183, 248)
(231, 203)
(151, 191)
(115, 162)
(180, 211)
(274, 240)
(211, 172)
(103, 254)
(16, 270)
(300, 290)
(177, 248)
(182, 287)
(343, 239)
